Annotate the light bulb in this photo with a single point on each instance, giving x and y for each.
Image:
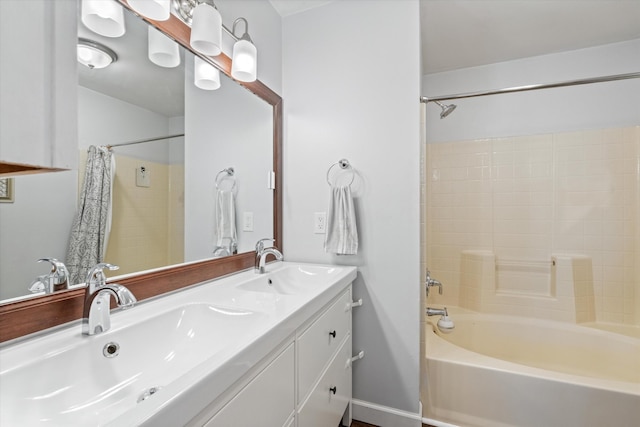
(206, 30)
(245, 61)
(158, 10)
(206, 76)
(162, 50)
(103, 17)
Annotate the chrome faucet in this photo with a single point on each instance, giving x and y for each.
(96, 315)
(431, 282)
(262, 252)
(56, 280)
(437, 311)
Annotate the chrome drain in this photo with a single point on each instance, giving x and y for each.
(148, 393)
(111, 349)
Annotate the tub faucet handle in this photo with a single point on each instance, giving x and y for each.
(431, 282)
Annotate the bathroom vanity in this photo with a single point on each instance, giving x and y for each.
(270, 349)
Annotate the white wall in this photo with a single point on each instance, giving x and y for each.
(351, 84)
(602, 105)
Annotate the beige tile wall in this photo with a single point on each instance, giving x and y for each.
(142, 236)
(526, 199)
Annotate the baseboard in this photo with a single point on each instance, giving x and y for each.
(436, 423)
(384, 416)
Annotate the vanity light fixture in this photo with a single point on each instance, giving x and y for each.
(103, 17)
(205, 75)
(206, 36)
(245, 55)
(95, 55)
(158, 10)
(162, 50)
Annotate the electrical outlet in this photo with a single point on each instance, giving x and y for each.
(320, 222)
(247, 221)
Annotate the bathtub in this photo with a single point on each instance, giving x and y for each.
(508, 371)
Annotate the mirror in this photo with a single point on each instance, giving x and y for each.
(169, 219)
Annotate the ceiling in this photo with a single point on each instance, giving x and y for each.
(466, 33)
(289, 7)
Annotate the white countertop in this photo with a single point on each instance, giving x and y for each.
(62, 377)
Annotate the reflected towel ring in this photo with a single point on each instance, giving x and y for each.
(230, 174)
(344, 164)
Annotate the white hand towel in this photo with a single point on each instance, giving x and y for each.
(342, 233)
(225, 225)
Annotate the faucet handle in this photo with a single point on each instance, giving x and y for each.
(431, 282)
(38, 285)
(260, 243)
(96, 275)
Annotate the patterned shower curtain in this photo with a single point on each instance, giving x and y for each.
(91, 226)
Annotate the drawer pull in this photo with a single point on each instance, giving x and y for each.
(333, 389)
(333, 334)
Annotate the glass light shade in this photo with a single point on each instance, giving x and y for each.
(158, 10)
(162, 50)
(92, 57)
(244, 65)
(206, 30)
(206, 76)
(103, 17)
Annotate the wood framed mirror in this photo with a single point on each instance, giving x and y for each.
(31, 315)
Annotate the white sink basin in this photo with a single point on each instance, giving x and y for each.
(292, 280)
(69, 381)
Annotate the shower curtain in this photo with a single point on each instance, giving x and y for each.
(91, 226)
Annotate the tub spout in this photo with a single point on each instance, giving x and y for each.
(445, 324)
(437, 311)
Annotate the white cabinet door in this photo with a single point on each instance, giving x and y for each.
(268, 400)
(38, 82)
(331, 395)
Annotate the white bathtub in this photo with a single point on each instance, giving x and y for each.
(507, 371)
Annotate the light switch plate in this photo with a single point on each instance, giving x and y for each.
(143, 176)
(247, 221)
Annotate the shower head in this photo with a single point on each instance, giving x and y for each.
(446, 109)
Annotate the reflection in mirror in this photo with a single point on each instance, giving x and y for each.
(167, 216)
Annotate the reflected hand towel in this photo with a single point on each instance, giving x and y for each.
(342, 233)
(225, 226)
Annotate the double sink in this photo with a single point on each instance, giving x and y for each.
(157, 351)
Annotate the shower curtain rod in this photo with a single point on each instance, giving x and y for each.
(140, 141)
(603, 79)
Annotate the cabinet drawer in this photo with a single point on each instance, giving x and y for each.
(317, 344)
(324, 407)
(268, 400)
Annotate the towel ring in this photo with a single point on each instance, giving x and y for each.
(344, 164)
(230, 173)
